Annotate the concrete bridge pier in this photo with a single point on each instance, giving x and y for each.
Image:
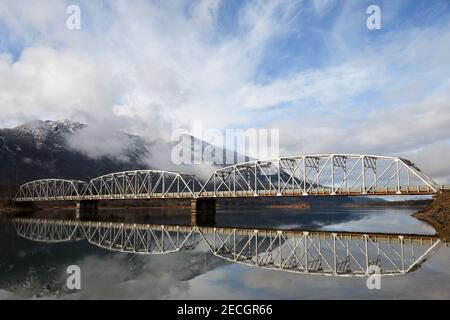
(203, 212)
(86, 210)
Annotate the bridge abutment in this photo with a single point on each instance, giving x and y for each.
(86, 209)
(203, 211)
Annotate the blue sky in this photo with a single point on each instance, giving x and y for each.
(310, 68)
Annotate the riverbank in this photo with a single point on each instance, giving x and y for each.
(7, 206)
(437, 214)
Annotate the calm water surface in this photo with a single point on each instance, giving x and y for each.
(30, 269)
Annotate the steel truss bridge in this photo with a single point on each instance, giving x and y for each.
(307, 175)
(305, 252)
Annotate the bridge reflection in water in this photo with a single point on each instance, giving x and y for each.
(340, 254)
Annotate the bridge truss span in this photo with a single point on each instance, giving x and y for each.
(306, 175)
(49, 231)
(140, 239)
(51, 189)
(143, 184)
(122, 237)
(321, 174)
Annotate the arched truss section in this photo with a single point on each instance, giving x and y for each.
(122, 237)
(49, 231)
(143, 184)
(140, 239)
(50, 190)
(321, 253)
(323, 174)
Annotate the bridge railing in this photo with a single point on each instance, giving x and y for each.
(417, 190)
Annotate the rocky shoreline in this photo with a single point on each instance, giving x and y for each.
(437, 214)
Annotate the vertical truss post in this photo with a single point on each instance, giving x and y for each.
(279, 177)
(409, 179)
(305, 237)
(279, 234)
(234, 181)
(402, 251)
(162, 238)
(334, 235)
(163, 184)
(332, 175)
(255, 193)
(234, 244)
(304, 177)
(366, 253)
(256, 247)
(363, 174)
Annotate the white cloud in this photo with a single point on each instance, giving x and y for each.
(46, 82)
(205, 11)
(323, 6)
(147, 60)
(150, 68)
(396, 130)
(329, 86)
(99, 142)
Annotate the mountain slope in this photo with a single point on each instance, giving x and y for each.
(39, 149)
(66, 149)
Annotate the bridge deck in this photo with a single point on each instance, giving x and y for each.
(381, 191)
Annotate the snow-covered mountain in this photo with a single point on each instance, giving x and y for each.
(39, 149)
(66, 149)
(42, 130)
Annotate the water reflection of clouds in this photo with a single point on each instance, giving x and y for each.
(158, 277)
(425, 283)
(241, 282)
(395, 222)
(370, 219)
(194, 275)
(111, 279)
(6, 295)
(104, 275)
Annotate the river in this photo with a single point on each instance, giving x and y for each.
(31, 269)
